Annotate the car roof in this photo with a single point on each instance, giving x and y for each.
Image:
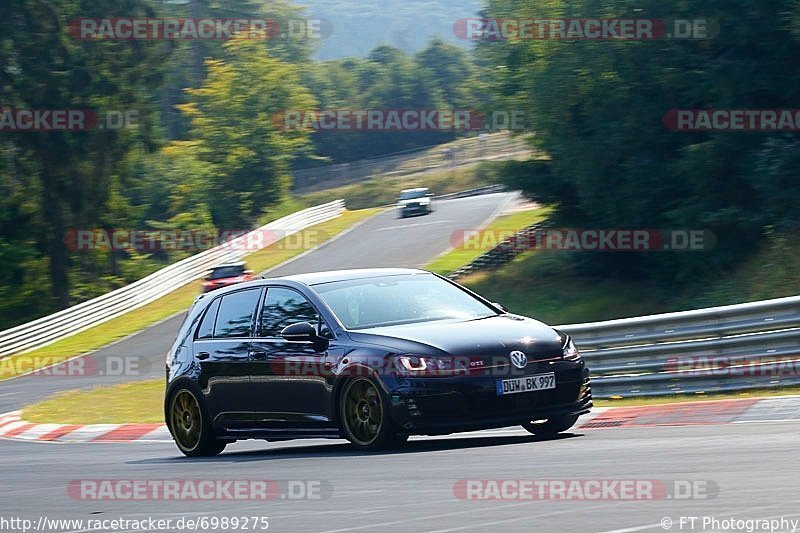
(226, 265)
(316, 278)
(415, 189)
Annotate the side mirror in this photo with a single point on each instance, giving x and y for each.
(248, 272)
(304, 332)
(300, 332)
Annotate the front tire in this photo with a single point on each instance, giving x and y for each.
(190, 426)
(551, 426)
(364, 416)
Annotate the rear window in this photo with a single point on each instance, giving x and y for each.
(227, 272)
(206, 329)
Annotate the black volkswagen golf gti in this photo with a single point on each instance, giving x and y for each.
(369, 355)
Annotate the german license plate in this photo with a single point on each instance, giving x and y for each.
(526, 384)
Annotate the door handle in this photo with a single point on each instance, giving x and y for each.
(257, 354)
(203, 355)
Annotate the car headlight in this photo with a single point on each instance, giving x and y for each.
(429, 366)
(571, 352)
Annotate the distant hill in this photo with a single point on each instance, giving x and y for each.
(360, 25)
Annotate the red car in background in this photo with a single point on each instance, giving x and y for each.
(225, 275)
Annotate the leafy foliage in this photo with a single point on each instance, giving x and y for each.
(598, 108)
(207, 153)
(233, 119)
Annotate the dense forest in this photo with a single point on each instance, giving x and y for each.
(204, 153)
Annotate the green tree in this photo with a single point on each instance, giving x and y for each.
(389, 80)
(233, 117)
(68, 173)
(597, 110)
(187, 67)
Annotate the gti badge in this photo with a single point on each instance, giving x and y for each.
(518, 359)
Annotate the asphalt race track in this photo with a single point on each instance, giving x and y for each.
(737, 471)
(383, 240)
(754, 466)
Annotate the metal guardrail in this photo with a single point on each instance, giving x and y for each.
(503, 253)
(49, 329)
(738, 347)
(488, 189)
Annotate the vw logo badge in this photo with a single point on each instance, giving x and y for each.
(519, 359)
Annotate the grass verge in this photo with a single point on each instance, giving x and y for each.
(141, 402)
(551, 287)
(686, 398)
(499, 229)
(168, 305)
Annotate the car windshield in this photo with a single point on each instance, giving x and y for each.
(227, 272)
(401, 299)
(408, 195)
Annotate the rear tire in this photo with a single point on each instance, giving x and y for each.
(190, 426)
(364, 416)
(551, 426)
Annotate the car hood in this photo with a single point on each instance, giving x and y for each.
(493, 336)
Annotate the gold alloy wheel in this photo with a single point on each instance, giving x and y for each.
(362, 411)
(186, 420)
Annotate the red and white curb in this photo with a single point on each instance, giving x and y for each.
(734, 411)
(13, 427)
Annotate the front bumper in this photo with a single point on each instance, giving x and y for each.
(414, 209)
(437, 405)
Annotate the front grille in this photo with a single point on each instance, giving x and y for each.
(488, 404)
(523, 402)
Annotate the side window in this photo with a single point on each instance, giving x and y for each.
(236, 313)
(284, 307)
(206, 329)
